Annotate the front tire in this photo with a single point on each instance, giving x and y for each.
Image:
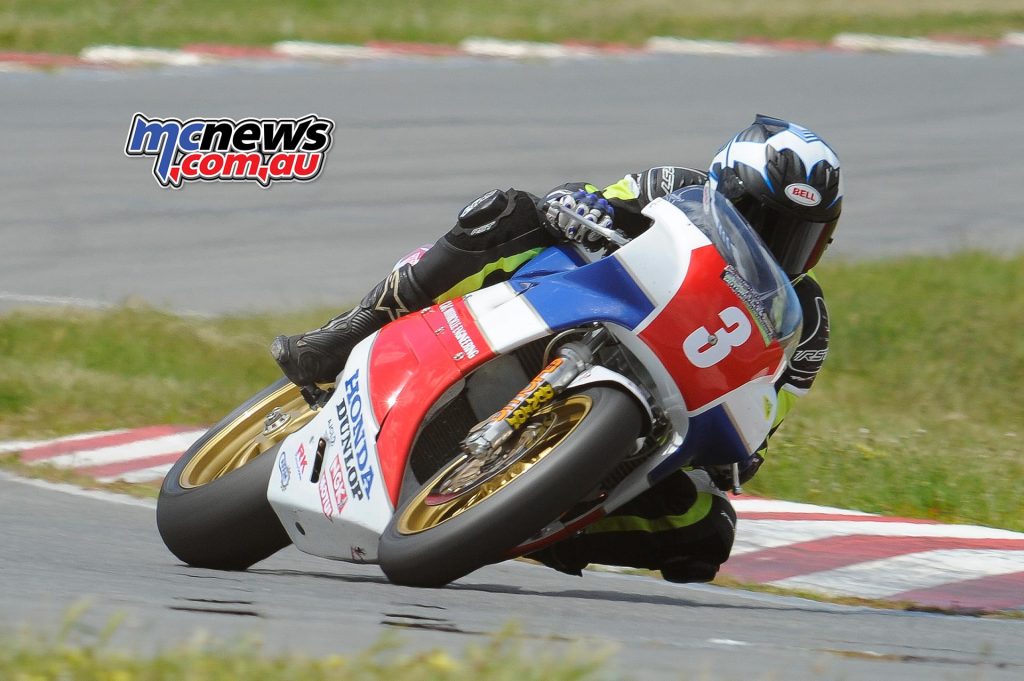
(445, 531)
(213, 510)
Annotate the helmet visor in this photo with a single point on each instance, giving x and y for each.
(796, 243)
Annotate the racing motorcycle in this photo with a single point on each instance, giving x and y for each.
(495, 424)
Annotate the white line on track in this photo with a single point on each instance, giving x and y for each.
(98, 495)
(87, 303)
(53, 300)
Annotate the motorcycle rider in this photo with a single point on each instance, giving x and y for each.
(782, 177)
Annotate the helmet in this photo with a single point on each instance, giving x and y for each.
(785, 180)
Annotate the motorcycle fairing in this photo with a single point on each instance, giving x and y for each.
(394, 378)
(337, 507)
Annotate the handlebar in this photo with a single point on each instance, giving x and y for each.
(589, 225)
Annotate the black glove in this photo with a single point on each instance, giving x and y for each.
(722, 475)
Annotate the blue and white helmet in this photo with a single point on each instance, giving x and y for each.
(785, 180)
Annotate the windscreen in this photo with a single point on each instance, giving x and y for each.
(751, 271)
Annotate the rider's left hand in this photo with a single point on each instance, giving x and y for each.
(586, 205)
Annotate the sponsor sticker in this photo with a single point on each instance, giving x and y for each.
(301, 461)
(326, 501)
(260, 150)
(359, 472)
(530, 399)
(803, 194)
(451, 315)
(810, 355)
(286, 472)
(752, 301)
(338, 483)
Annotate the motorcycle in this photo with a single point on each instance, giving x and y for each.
(495, 424)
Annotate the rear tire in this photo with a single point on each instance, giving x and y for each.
(224, 523)
(488, 529)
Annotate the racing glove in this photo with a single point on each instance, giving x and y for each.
(586, 205)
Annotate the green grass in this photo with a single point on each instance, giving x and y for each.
(69, 371)
(69, 25)
(73, 655)
(918, 411)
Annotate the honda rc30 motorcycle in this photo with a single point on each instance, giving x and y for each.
(495, 424)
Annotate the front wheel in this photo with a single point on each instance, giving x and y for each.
(213, 510)
(471, 513)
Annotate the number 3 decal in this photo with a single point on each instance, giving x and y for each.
(706, 349)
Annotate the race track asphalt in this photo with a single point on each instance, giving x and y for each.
(61, 550)
(931, 151)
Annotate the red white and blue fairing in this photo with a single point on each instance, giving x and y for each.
(696, 299)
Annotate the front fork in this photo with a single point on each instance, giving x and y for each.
(573, 358)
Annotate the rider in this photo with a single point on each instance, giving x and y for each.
(782, 177)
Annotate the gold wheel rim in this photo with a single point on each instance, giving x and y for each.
(248, 436)
(464, 483)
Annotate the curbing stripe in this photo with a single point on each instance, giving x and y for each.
(789, 516)
(31, 445)
(747, 505)
(204, 53)
(668, 45)
(786, 544)
(999, 592)
(140, 56)
(515, 49)
(864, 42)
(217, 51)
(415, 49)
(129, 451)
(758, 535)
(89, 441)
(109, 472)
(835, 552)
(891, 576)
(326, 51)
(151, 474)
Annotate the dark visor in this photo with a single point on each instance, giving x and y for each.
(796, 244)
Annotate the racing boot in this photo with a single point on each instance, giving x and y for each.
(318, 356)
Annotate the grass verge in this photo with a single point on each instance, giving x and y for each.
(69, 25)
(917, 411)
(71, 656)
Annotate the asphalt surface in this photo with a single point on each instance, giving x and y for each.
(60, 551)
(932, 165)
(931, 155)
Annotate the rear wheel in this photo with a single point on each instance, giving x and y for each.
(471, 513)
(213, 510)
